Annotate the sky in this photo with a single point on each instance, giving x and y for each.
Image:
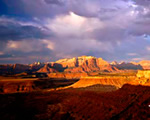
(48, 30)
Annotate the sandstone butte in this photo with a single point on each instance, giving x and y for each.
(145, 64)
(141, 78)
(47, 69)
(87, 64)
(116, 81)
(83, 64)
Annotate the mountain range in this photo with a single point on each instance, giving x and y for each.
(83, 64)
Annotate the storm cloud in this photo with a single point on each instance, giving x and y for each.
(16, 30)
(48, 30)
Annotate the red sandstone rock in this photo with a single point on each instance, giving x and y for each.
(85, 64)
(47, 69)
(145, 64)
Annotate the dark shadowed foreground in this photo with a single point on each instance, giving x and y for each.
(129, 102)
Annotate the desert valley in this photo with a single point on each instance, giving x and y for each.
(84, 88)
(74, 60)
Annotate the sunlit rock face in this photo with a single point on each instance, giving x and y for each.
(143, 77)
(85, 64)
(114, 63)
(104, 65)
(81, 64)
(68, 62)
(143, 74)
(89, 81)
(145, 64)
(68, 75)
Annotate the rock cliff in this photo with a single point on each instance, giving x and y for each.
(145, 64)
(47, 69)
(85, 64)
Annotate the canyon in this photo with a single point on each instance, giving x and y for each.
(82, 88)
(74, 72)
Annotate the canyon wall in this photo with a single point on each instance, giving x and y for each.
(83, 64)
(143, 74)
(118, 82)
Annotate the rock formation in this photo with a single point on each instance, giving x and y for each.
(143, 74)
(47, 69)
(145, 64)
(118, 82)
(83, 64)
(114, 63)
(127, 66)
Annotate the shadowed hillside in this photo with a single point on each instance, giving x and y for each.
(129, 102)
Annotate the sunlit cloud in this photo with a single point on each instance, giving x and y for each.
(148, 48)
(137, 59)
(25, 45)
(73, 25)
(51, 29)
(1, 53)
(132, 54)
(50, 45)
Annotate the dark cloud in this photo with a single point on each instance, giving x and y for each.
(111, 34)
(14, 30)
(139, 29)
(65, 28)
(142, 2)
(56, 2)
(6, 56)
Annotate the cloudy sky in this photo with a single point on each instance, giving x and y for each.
(47, 30)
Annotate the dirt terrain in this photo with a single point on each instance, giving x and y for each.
(16, 84)
(113, 96)
(128, 103)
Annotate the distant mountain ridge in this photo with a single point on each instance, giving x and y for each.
(83, 64)
(144, 64)
(127, 66)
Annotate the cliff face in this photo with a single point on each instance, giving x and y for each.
(118, 82)
(145, 64)
(81, 64)
(143, 76)
(47, 69)
(86, 64)
(68, 62)
(68, 75)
